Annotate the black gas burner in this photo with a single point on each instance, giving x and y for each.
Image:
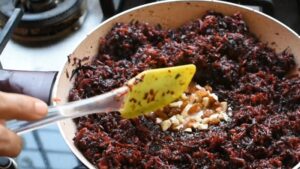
(34, 6)
(44, 20)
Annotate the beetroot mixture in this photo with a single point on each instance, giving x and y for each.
(249, 75)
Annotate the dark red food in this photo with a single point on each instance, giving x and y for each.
(250, 76)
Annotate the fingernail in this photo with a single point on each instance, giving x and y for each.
(41, 108)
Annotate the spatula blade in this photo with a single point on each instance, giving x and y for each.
(145, 96)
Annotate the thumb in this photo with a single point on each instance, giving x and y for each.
(16, 106)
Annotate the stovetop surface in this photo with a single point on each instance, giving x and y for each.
(45, 148)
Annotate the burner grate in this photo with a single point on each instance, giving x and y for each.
(45, 20)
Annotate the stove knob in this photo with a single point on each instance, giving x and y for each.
(7, 163)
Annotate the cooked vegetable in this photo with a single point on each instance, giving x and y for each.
(265, 128)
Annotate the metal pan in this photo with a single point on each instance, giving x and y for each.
(171, 14)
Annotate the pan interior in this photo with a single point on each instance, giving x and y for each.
(169, 14)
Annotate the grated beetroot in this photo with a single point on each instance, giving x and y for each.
(250, 76)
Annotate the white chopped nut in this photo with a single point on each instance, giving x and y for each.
(202, 126)
(174, 121)
(183, 96)
(208, 113)
(214, 116)
(205, 120)
(176, 104)
(199, 87)
(181, 126)
(158, 120)
(225, 116)
(166, 124)
(221, 116)
(205, 101)
(198, 116)
(192, 98)
(214, 119)
(188, 130)
(193, 119)
(186, 109)
(180, 118)
(214, 96)
(196, 124)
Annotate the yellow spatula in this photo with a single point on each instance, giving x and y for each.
(156, 88)
(147, 92)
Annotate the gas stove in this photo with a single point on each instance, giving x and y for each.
(43, 43)
(44, 20)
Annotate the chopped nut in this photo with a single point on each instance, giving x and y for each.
(208, 113)
(214, 96)
(176, 104)
(197, 108)
(186, 109)
(201, 93)
(180, 118)
(173, 111)
(158, 120)
(183, 96)
(208, 88)
(199, 87)
(198, 116)
(192, 98)
(225, 116)
(224, 106)
(195, 125)
(178, 127)
(202, 126)
(166, 124)
(185, 103)
(221, 116)
(190, 123)
(219, 109)
(194, 109)
(205, 101)
(188, 130)
(214, 119)
(206, 120)
(174, 121)
(161, 114)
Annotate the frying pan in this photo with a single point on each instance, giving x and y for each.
(170, 14)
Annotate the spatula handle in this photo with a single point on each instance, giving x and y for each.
(108, 102)
(21, 127)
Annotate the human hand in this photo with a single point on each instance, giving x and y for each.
(20, 107)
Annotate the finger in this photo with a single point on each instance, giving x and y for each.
(10, 143)
(16, 106)
(2, 122)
